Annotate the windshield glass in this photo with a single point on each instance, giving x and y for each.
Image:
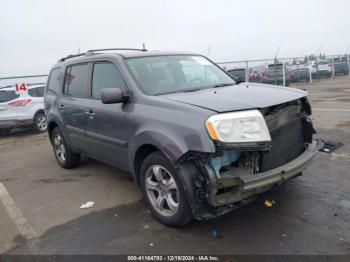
(158, 75)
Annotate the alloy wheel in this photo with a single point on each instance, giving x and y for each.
(41, 123)
(60, 149)
(162, 190)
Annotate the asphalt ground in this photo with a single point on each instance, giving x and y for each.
(40, 214)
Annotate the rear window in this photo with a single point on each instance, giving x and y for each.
(36, 92)
(53, 86)
(76, 81)
(237, 73)
(324, 62)
(7, 95)
(277, 65)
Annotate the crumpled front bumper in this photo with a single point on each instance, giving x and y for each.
(242, 187)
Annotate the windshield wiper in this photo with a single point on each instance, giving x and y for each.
(223, 84)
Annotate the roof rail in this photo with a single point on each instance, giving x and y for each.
(70, 56)
(117, 49)
(91, 52)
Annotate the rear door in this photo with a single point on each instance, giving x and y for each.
(73, 104)
(108, 125)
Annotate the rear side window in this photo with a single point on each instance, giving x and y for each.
(105, 75)
(36, 92)
(75, 81)
(53, 86)
(323, 62)
(7, 95)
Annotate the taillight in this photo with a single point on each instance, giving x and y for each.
(314, 65)
(22, 102)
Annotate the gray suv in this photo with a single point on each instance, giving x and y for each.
(197, 143)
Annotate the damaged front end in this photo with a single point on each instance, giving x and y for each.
(237, 172)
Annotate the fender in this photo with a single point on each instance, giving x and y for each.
(171, 144)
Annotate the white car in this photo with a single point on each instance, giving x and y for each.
(322, 68)
(22, 106)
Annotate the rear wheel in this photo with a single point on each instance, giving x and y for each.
(63, 153)
(163, 191)
(40, 122)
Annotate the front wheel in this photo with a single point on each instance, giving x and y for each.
(163, 191)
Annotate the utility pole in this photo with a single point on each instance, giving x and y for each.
(317, 60)
(209, 49)
(275, 62)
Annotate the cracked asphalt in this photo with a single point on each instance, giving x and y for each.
(311, 214)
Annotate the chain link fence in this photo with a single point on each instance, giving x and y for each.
(285, 71)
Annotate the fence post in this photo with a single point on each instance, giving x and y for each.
(284, 73)
(332, 66)
(246, 72)
(309, 66)
(348, 57)
(275, 70)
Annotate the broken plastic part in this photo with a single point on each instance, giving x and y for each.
(228, 157)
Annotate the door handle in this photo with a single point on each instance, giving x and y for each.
(61, 106)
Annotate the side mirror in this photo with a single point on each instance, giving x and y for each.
(112, 96)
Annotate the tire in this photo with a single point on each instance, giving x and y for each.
(40, 122)
(65, 156)
(167, 191)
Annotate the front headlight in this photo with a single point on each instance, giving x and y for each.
(238, 127)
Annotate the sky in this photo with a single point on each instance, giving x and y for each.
(35, 34)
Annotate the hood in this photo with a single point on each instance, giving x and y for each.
(238, 97)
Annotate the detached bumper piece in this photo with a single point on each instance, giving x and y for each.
(234, 188)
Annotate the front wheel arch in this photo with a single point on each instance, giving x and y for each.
(140, 155)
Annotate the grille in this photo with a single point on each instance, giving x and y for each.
(287, 144)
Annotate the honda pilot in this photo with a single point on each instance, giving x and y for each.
(197, 143)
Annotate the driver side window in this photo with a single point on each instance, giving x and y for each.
(105, 75)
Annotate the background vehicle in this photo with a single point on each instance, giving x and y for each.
(23, 107)
(341, 65)
(321, 68)
(273, 74)
(197, 143)
(299, 73)
(238, 74)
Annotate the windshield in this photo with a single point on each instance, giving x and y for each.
(158, 75)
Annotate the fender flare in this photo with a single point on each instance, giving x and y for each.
(172, 148)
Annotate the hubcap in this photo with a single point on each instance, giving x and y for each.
(162, 190)
(60, 150)
(41, 123)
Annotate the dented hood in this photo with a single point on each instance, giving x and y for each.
(238, 97)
